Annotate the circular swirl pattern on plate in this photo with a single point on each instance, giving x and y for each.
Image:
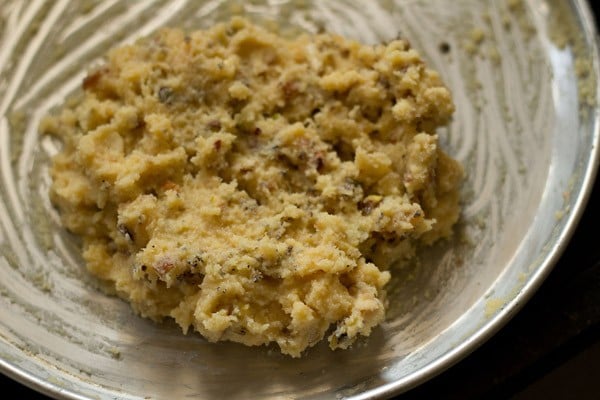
(516, 94)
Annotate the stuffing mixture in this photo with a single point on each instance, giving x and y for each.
(254, 188)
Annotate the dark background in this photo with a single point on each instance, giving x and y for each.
(550, 350)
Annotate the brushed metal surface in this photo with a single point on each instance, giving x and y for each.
(526, 128)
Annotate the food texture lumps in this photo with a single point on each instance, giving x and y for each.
(254, 188)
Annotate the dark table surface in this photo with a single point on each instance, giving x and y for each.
(549, 350)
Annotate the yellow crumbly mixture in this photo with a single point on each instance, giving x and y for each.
(252, 187)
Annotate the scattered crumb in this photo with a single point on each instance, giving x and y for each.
(492, 306)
